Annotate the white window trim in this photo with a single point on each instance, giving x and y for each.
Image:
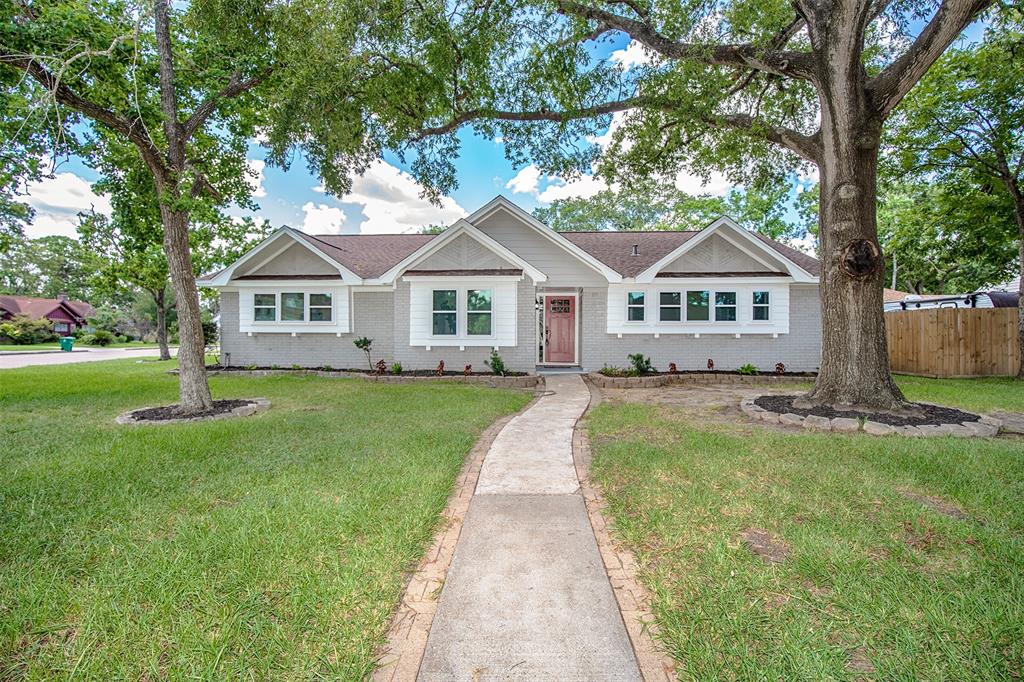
(641, 306)
(461, 313)
(489, 312)
(754, 306)
(686, 305)
(681, 306)
(734, 306)
(305, 321)
(434, 311)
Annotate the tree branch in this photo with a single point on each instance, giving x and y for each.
(950, 19)
(779, 62)
(133, 130)
(805, 146)
(235, 87)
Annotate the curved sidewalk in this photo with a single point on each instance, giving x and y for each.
(527, 595)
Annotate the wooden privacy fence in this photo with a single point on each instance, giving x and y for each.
(954, 342)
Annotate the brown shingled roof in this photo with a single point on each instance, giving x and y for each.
(367, 255)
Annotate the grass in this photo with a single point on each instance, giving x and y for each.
(875, 583)
(56, 346)
(981, 395)
(268, 547)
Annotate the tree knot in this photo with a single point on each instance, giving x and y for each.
(860, 258)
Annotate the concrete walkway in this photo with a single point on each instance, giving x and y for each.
(527, 596)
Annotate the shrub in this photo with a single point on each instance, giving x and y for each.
(366, 345)
(100, 337)
(780, 368)
(23, 330)
(672, 369)
(612, 371)
(641, 363)
(381, 366)
(496, 364)
(440, 368)
(396, 368)
(748, 370)
(711, 364)
(327, 368)
(296, 365)
(209, 333)
(467, 370)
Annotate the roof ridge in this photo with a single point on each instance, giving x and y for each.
(628, 231)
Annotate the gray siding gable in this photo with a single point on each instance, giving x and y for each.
(294, 260)
(563, 269)
(463, 252)
(716, 254)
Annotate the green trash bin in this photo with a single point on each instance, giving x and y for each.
(67, 343)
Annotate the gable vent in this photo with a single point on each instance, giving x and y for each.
(635, 251)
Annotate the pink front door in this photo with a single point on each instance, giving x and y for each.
(560, 329)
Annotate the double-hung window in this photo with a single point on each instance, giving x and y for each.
(320, 308)
(725, 306)
(293, 307)
(670, 307)
(479, 314)
(697, 306)
(446, 312)
(762, 306)
(635, 306)
(265, 307)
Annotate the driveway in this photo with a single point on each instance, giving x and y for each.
(10, 360)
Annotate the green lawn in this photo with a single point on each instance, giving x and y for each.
(874, 581)
(983, 395)
(56, 346)
(261, 548)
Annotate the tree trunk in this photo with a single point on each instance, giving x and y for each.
(160, 298)
(854, 358)
(194, 388)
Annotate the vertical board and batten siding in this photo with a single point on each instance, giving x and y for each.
(503, 315)
(954, 342)
(562, 268)
(778, 316)
(339, 300)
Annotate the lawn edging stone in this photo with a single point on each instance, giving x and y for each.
(489, 380)
(659, 380)
(985, 427)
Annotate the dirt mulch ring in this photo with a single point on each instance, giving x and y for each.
(937, 505)
(761, 543)
(168, 414)
(928, 414)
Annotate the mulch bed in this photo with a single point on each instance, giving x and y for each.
(407, 373)
(168, 412)
(729, 372)
(928, 414)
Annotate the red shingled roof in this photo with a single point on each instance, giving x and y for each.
(41, 307)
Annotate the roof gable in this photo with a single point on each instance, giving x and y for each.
(36, 307)
(272, 247)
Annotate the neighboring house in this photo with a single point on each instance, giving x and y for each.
(67, 316)
(978, 299)
(500, 279)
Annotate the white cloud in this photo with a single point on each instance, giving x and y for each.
(255, 178)
(632, 55)
(525, 181)
(322, 219)
(584, 187)
(57, 202)
(390, 201)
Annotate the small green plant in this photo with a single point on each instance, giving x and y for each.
(641, 364)
(396, 368)
(496, 364)
(100, 337)
(613, 371)
(327, 368)
(251, 367)
(747, 370)
(275, 366)
(296, 365)
(366, 345)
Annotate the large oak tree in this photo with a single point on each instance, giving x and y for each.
(756, 89)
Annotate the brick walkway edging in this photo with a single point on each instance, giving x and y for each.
(657, 380)
(620, 564)
(400, 658)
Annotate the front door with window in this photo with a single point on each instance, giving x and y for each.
(560, 329)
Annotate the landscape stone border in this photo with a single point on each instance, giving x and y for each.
(985, 427)
(658, 380)
(255, 405)
(490, 380)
